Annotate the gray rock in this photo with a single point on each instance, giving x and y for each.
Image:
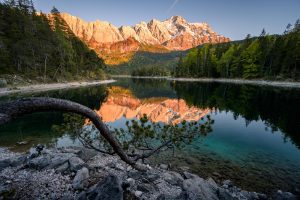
(40, 162)
(81, 196)
(216, 174)
(62, 168)
(86, 154)
(212, 183)
(70, 150)
(163, 166)
(14, 162)
(59, 159)
(152, 177)
(173, 178)
(146, 188)
(224, 194)
(138, 193)
(4, 163)
(22, 143)
(108, 189)
(81, 179)
(39, 148)
(188, 175)
(198, 188)
(131, 181)
(284, 196)
(165, 197)
(76, 163)
(228, 183)
(134, 174)
(119, 167)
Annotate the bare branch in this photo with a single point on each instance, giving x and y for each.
(17, 108)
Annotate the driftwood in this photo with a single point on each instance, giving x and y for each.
(13, 109)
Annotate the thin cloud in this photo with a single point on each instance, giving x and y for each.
(172, 6)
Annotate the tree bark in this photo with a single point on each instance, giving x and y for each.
(13, 109)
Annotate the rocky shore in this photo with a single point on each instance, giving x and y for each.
(80, 173)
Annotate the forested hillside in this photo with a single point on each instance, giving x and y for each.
(264, 57)
(143, 63)
(35, 47)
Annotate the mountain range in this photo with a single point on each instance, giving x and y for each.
(111, 42)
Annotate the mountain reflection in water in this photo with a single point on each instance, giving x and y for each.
(170, 111)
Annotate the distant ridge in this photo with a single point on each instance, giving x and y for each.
(111, 42)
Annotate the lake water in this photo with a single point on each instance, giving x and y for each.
(255, 139)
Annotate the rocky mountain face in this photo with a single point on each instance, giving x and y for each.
(172, 34)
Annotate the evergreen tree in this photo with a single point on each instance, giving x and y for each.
(35, 47)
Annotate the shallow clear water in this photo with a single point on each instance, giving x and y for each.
(255, 139)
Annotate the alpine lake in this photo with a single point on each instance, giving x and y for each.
(255, 138)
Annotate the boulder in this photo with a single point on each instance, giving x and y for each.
(70, 150)
(4, 163)
(59, 159)
(172, 178)
(146, 188)
(131, 181)
(81, 196)
(151, 177)
(138, 193)
(40, 162)
(76, 163)
(224, 194)
(284, 196)
(188, 175)
(110, 188)
(81, 179)
(163, 166)
(198, 188)
(86, 154)
(62, 168)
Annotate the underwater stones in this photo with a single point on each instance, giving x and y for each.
(163, 166)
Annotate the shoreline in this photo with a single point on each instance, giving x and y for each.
(286, 84)
(51, 86)
(81, 173)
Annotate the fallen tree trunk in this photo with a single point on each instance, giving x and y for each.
(13, 109)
